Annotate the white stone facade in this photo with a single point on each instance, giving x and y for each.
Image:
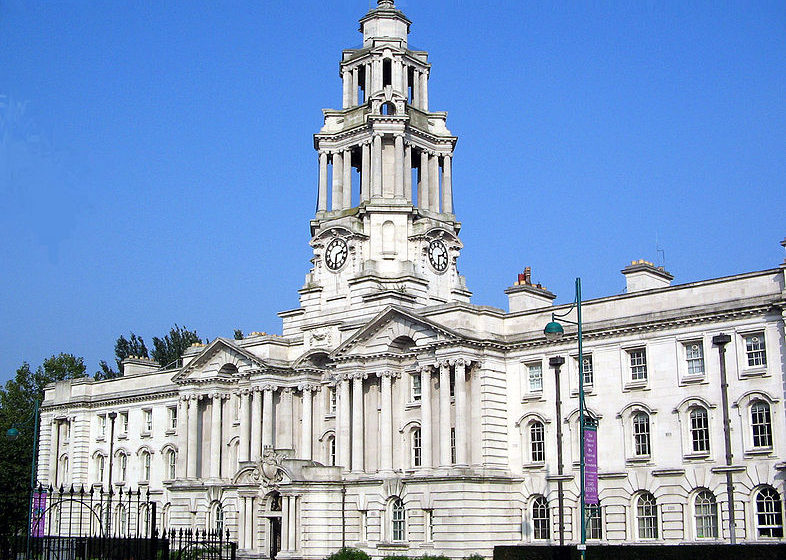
(393, 415)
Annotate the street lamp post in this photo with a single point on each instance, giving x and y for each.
(112, 416)
(554, 332)
(12, 434)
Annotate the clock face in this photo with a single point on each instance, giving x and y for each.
(438, 255)
(336, 253)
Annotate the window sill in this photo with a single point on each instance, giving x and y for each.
(330, 415)
(692, 379)
(122, 436)
(529, 397)
(696, 456)
(143, 483)
(399, 545)
(170, 432)
(412, 404)
(754, 372)
(639, 459)
(636, 386)
(145, 435)
(588, 390)
(534, 466)
(101, 438)
(757, 451)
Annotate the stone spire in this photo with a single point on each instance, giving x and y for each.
(386, 4)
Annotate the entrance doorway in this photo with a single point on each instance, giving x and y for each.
(275, 536)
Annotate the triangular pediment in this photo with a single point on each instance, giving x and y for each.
(380, 335)
(220, 359)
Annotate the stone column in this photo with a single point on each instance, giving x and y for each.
(365, 172)
(461, 412)
(447, 184)
(323, 186)
(376, 164)
(357, 422)
(408, 172)
(433, 183)
(182, 438)
(367, 84)
(377, 75)
(444, 414)
(306, 426)
(355, 86)
(256, 424)
(285, 420)
(344, 448)
(396, 75)
(292, 533)
(193, 417)
(424, 90)
(267, 416)
(425, 417)
(346, 78)
(347, 182)
(386, 422)
(245, 428)
(215, 437)
(399, 166)
(404, 79)
(423, 177)
(416, 88)
(249, 519)
(338, 181)
(284, 523)
(54, 451)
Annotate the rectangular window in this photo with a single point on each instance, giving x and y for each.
(102, 426)
(694, 356)
(147, 420)
(428, 525)
(452, 383)
(172, 415)
(416, 449)
(586, 369)
(761, 423)
(537, 442)
(416, 387)
(453, 445)
(332, 397)
(594, 522)
(363, 526)
(123, 417)
(638, 364)
(535, 378)
(755, 350)
(641, 434)
(699, 430)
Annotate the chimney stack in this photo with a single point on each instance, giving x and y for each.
(524, 295)
(642, 275)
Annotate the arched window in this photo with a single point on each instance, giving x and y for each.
(144, 520)
(769, 515)
(216, 518)
(647, 516)
(641, 434)
(540, 518)
(537, 442)
(171, 462)
(398, 521)
(761, 423)
(122, 467)
(146, 466)
(63, 470)
(101, 467)
(699, 430)
(594, 522)
(416, 447)
(121, 520)
(705, 510)
(330, 450)
(165, 515)
(388, 108)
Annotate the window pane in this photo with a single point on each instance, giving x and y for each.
(761, 424)
(699, 430)
(535, 378)
(638, 365)
(706, 511)
(536, 437)
(540, 518)
(641, 434)
(586, 369)
(694, 353)
(594, 526)
(647, 516)
(399, 523)
(769, 518)
(754, 348)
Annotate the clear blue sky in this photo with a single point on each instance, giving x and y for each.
(157, 165)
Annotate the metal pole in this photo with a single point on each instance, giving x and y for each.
(556, 362)
(583, 520)
(32, 480)
(721, 340)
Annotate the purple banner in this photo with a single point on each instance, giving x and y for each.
(590, 465)
(37, 519)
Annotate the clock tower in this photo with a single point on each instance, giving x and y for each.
(385, 231)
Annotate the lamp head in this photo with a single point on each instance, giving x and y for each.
(12, 434)
(553, 331)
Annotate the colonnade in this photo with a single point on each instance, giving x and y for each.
(372, 74)
(406, 156)
(351, 417)
(252, 508)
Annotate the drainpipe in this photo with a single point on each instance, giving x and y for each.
(556, 362)
(721, 340)
(343, 516)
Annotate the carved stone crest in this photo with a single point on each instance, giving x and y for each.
(270, 466)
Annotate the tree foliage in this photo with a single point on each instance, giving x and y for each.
(124, 348)
(17, 404)
(167, 351)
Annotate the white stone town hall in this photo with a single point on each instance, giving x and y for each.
(394, 415)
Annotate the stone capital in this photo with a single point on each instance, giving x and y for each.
(268, 387)
(308, 387)
(359, 375)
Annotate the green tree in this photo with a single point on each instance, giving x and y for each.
(124, 347)
(169, 350)
(17, 403)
